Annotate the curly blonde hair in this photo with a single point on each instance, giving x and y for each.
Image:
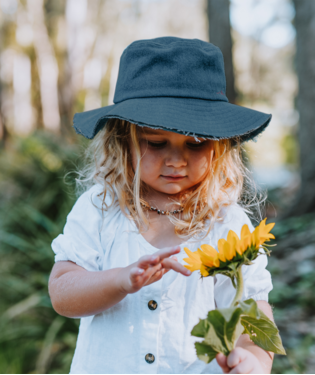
(107, 161)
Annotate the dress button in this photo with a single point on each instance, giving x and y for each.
(149, 358)
(152, 304)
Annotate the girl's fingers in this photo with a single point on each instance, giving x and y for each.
(150, 260)
(222, 362)
(152, 270)
(135, 274)
(174, 265)
(167, 252)
(244, 367)
(140, 275)
(236, 356)
(157, 276)
(147, 261)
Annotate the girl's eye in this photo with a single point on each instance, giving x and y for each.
(157, 144)
(195, 145)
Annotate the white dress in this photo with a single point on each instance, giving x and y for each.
(120, 339)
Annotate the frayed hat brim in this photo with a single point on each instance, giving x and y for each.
(189, 116)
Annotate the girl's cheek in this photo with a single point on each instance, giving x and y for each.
(150, 163)
(199, 160)
(153, 156)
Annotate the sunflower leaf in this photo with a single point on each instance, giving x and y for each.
(216, 342)
(201, 328)
(250, 308)
(205, 352)
(263, 332)
(227, 326)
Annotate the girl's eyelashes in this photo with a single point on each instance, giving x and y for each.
(157, 144)
(196, 145)
(161, 144)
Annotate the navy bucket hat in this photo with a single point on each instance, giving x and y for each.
(178, 85)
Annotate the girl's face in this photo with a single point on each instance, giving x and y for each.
(171, 163)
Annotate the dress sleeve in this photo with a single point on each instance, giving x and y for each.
(80, 241)
(257, 279)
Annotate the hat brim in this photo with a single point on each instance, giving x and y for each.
(196, 117)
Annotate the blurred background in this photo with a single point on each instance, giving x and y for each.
(61, 57)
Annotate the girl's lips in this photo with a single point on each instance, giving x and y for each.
(173, 178)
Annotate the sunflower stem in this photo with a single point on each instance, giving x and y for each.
(239, 287)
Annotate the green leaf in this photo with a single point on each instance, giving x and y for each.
(215, 342)
(263, 332)
(218, 322)
(250, 308)
(201, 328)
(205, 352)
(226, 324)
(233, 327)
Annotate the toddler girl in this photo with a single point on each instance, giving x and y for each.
(163, 172)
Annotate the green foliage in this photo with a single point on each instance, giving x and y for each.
(290, 146)
(35, 200)
(223, 327)
(292, 298)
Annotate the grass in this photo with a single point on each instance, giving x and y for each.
(35, 200)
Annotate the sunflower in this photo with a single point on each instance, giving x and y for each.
(232, 252)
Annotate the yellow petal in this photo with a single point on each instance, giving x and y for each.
(194, 262)
(209, 250)
(245, 243)
(229, 251)
(245, 230)
(204, 272)
(261, 233)
(192, 255)
(192, 268)
(231, 236)
(221, 243)
(234, 242)
(245, 238)
(264, 231)
(256, 237)
(209, 261)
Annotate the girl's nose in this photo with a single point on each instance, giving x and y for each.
(176, 159)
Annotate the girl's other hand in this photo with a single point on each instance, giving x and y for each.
(151, 268)
(240, 361)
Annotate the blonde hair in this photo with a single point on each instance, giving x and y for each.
(107, 161)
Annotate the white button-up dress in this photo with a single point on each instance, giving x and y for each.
(119, 339)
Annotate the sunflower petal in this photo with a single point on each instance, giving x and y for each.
(192, 255)
(209, 261)
(221, 243)
(203, 271)
(209, 250)
(256, 237)
(245, 238)
(229, 251)
(231, 235)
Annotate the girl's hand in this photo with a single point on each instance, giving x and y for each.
(240, 361)
(151, 268)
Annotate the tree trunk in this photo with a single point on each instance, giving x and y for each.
(47, 66)
(218, 12)
(305, 63)
(3, 129)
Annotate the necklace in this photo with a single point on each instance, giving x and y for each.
(160, 212)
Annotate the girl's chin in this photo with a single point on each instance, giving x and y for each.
(171, 190)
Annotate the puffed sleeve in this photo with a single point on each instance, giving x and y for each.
(80, 241)
(257, 279)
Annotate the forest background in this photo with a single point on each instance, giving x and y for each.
(61, 57)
